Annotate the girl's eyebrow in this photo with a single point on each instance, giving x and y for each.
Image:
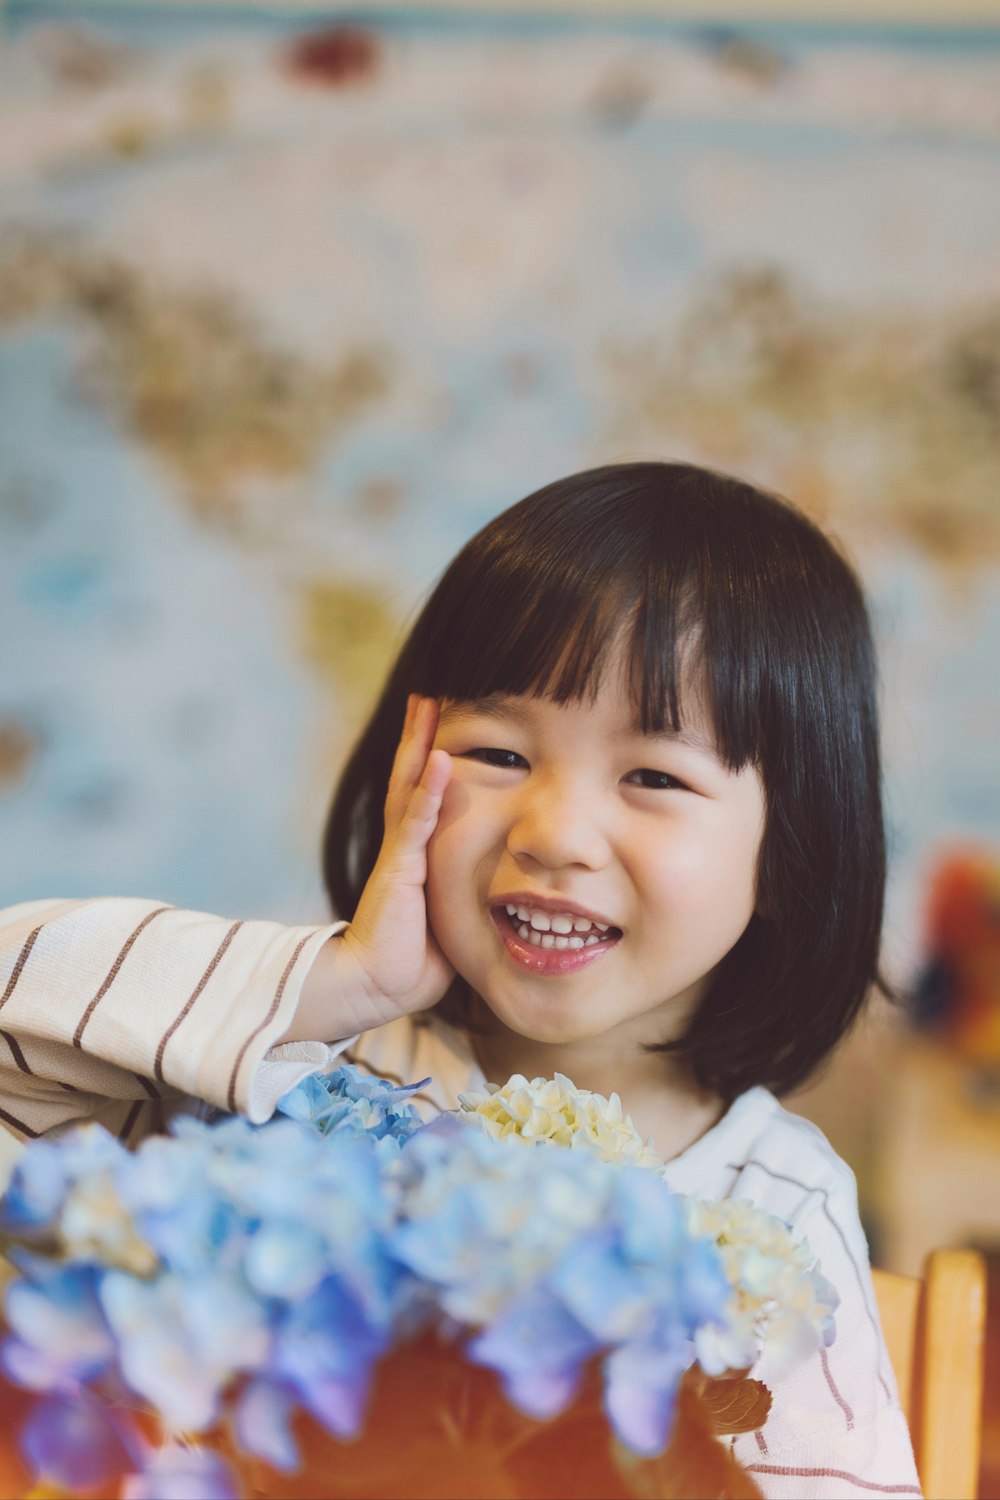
(693, 738)
(498, 705)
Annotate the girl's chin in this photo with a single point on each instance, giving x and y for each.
(547, 1026)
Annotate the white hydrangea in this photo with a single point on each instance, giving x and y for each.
(556, 1111)
(780, 1304)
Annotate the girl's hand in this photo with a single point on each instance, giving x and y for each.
(387, 963)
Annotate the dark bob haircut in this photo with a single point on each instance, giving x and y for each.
(704, 570)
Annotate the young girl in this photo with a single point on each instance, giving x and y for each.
(616, 814)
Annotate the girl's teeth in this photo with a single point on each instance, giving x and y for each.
(554, 939)
(562, 922)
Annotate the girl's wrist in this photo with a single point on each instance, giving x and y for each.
(334, 1001)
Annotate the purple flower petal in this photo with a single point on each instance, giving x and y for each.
(60, 1322)
(180, 1473)
(72, 1442)
(339, 1404)
(535, 1330)
(539, 1349)
(35, 1369)
(262, 1418)
(544, 1392)
(640, 1392)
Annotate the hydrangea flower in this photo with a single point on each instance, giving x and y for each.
(779, 1299)
(240, 1272)
(348, 1100)
(554, 1110)
(179, 1471)
(220, 1252)
(558, 1257)
(66, 1191)
(480, 1221)
(72, 1441)
(60, 1336)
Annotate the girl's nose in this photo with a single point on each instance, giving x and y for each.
(558, 828)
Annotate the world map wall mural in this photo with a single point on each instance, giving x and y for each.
(291, 304)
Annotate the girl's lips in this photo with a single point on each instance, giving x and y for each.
(547, 960)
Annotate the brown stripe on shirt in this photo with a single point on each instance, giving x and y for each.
(848, 1413)
(130, 1120)
(16, 1053)
(20, 1125)
(22, 959)
(112, 975)
(862, 1484)
(158, 1066)
(272, 1012)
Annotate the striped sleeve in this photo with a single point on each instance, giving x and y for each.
(109, 1007)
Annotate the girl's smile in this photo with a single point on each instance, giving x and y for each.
(551, 936)
(585, 878)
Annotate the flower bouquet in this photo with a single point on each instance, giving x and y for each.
(347, 1303)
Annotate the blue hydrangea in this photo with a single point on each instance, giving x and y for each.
(558, 1257)
(222, 1251)
(347, 1099)
(249, 1271)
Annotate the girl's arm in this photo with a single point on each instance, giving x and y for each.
(110, 1008)
(115, 1003)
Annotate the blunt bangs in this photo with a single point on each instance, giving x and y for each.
(705, 581)
(614, 556)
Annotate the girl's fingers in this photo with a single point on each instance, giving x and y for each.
(411, 755)
(412, 703)
(420, 817)
(397, 771)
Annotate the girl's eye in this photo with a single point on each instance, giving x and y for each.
(506, 760)
(656, 781)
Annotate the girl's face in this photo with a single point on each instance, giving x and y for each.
(585, 878)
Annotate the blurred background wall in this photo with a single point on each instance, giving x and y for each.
(292, 301)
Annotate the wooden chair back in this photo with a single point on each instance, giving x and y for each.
(934, 1328)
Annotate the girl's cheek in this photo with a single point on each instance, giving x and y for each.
(450, 845)
(448, 883)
